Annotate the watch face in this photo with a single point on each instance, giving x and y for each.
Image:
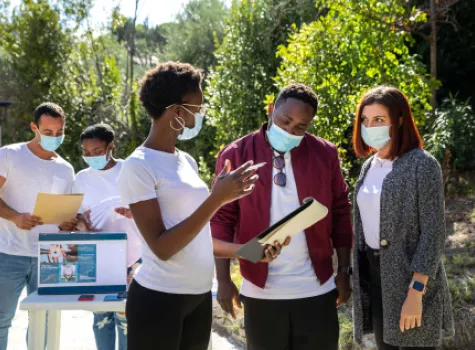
(418, 286)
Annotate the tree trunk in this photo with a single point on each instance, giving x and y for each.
(433, 51)
(133, 116)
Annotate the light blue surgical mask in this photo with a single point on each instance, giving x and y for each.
(97, 162)
(188, 133)
(281, 140)
(376, 137)
(50, 143)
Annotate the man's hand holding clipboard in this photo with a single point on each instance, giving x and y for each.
(279, 234)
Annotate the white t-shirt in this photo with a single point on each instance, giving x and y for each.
(369, 199)
(26, 176)
(174, 181)
(291, 275)
(101, 196)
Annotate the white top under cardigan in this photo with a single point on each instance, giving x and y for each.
(369, 200)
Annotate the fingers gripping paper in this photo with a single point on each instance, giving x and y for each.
(300, 219)
(57, 208)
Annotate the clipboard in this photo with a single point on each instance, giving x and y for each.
(309, 213)
(57, 208)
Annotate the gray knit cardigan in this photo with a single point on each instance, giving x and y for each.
(412, 222)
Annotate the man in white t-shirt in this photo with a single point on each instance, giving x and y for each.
(27, 169)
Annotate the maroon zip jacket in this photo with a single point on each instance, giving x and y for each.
(317, 174)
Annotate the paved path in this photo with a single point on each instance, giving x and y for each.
(76, 332)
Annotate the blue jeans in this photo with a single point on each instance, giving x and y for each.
(16, 272)
(104, 330)
(105, 323)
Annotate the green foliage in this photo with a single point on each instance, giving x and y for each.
(45, 60)
(237, 86)
(462, 290)
(471, 216)
(463, 260)
(346, 327)
(191, 38)
(356, 45)
(452, 134)
(36, 45)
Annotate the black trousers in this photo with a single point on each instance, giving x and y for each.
(162, 321)
(300, 324)
(377, 304)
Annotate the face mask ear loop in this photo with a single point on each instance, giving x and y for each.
(180, 121)
(38, 136)
(108, 154)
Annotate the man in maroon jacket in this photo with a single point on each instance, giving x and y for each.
(290, 302)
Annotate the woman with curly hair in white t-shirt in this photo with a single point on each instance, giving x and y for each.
(169, 300)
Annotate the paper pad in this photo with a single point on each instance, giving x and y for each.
(57, 208)
(305, 216)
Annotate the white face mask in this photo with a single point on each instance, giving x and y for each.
(189, 133)
(376, 137)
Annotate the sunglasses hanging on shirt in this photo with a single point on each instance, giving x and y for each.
(280, 179)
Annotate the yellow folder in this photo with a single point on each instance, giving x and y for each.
(57, 208)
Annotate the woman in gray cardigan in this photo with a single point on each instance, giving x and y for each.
(400, 290)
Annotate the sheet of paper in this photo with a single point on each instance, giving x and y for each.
(57, 208)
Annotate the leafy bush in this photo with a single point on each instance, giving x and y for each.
(354, 46)
(451, 136)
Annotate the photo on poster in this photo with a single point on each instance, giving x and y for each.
(49, 273)
(58, 253)
(68, 273)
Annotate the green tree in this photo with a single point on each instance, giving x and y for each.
(35, 46)
(192, 36)
(45, 59)
(247, 63)
(354, 46)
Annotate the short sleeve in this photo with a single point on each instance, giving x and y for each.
(4, 163)
(71, 181)
(77, 188)
(136, 182)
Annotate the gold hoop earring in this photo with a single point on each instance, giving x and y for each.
(180, 121)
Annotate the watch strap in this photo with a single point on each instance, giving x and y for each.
(418, 286)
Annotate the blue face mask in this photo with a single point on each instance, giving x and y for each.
(97, 162)
(51, 143)
(376, 137)
(281, 140)
(188, 133)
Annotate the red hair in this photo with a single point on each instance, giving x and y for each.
(404, 138)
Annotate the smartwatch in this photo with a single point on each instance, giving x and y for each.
(346, 269)
(419, 286)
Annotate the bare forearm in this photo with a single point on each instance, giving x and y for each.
(223, 270)
(344, 255)
(178, 237)
(6, 212)
(224, 250)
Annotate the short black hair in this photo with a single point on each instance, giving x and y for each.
(167, 84)
(48, 108)
(300, 92)
(101, 131)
